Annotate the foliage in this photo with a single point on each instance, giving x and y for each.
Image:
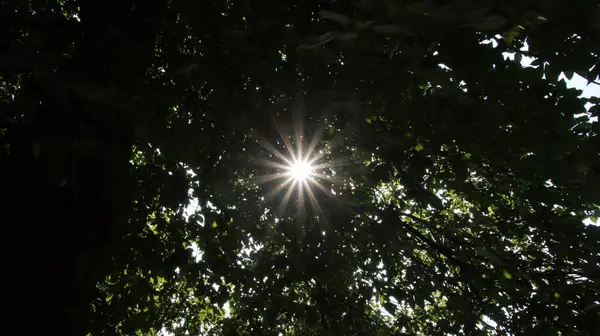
(453, 188)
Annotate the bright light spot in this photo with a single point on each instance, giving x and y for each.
(301, 170)
(296, 171)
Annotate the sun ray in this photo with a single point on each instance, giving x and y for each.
(271, 194)
(333, 163)
(314, 203)
(290, 148)
(332, 179)
(276, 165)
(286, 198)
(299, 135)
(266, 145)
(323, 189)
(269, 178)
(300, 171)
(315, 139)
(311, 147)
(300, 188)
(287, 143)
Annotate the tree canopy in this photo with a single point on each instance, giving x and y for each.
(145, 153)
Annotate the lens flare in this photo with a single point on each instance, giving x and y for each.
(298, 170)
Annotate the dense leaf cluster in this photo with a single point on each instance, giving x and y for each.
(452, 187)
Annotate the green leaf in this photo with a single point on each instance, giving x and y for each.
(349, 36)
(511, 35)
(323, 39)
(363, 25)
(582, 168)
(395, 49)
(421, 7)
(419, 147)
(506, 274)
(493, 22)
(36, 149)
(387, 29)
(569, 74)
(337, 17)
(518, 57)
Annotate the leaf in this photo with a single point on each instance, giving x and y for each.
(582, 168)
(387, 29)
(395, 50)
(548, 5)
(337, 17)
(419, 147)
(420, 7)
(506, 274)
(36, 149)
(536, 62)
(350, 36)
(493, 22)
(323, 39)
(593, 74)
(569, 74)
(518, 57)
(511, 35)
(360, 25)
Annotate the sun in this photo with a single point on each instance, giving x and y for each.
(300, 170)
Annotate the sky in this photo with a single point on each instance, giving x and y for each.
(589, 90)
(578, 82)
